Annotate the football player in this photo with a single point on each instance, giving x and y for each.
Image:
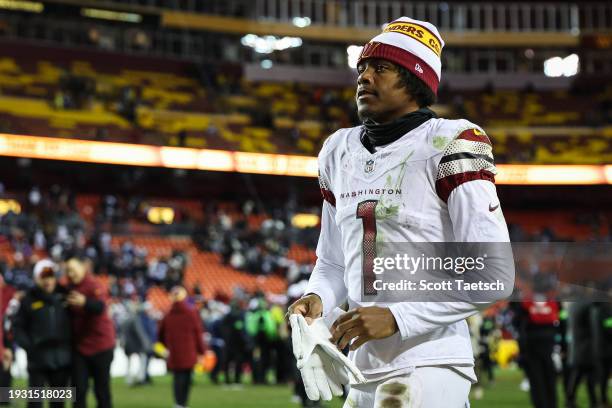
(404, 175)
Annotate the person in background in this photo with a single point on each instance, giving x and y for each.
(181, 332)
(603, 347)
(539, 327)
(280, 344)
(42, 329)
(149, 324)
(563, 342)
(486, 337)
(18, 275)
(135, 340)
(11, 300)
(237, 343)
(260, 326)
(4, 373)
(94, 334)
(217, 345)
(582, 350)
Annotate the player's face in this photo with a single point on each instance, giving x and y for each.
(380, 95)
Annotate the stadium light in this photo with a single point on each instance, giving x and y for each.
(29, 6)
(551, 174)
(353, 52)
(269, 43)
(11, 205)
(266, 64)
(304, 220)
(301, 22)
(557, 66)
(608, 173)
(86, 151)
(111, 15)
(160, 215)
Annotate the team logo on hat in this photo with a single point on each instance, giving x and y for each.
(417, 32)
(412, 44)
(368, 50)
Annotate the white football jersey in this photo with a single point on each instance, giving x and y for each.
(434, 184)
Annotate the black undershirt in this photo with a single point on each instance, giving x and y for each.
(380, 134)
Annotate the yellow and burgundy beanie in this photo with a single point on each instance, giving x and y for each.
(413, 44)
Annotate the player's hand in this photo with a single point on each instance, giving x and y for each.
(76, 299)
(7, 356)
(309, 306)
(363, 324)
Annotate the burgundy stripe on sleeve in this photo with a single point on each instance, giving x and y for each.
(325, 191)
(446, 185)
(474, 135)
(328, 196)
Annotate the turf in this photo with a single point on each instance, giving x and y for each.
(504, 393)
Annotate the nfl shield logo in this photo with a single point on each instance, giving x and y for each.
(369, 166)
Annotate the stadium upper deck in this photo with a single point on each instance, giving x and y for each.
(84, 94)
(185, 73)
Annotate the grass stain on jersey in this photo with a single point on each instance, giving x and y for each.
(440, 142)
(395, 394)
(391, 402)
(395, 388)
(386, 212)
(386, 208)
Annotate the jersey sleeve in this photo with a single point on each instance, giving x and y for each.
(465, 181)
(467, 157)
(416, 319)
(476, 214)
(327, 279)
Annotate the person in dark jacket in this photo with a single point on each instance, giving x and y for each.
(42, 329)
(238, 345)
(603, 347)
(538, 325)
(181, 332)
(94, 334)
(583, 352)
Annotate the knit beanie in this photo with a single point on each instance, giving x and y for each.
(413, 44)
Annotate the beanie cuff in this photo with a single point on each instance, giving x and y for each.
(403, 58)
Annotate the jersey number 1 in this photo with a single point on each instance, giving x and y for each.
(366, 210)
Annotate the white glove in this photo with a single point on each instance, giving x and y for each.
(323, 367)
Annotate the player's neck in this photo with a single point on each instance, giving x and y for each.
(376, 134)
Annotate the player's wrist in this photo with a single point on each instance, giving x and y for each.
(393, 320)
(395, 310)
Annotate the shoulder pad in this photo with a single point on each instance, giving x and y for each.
(333, 140)
(447, 130)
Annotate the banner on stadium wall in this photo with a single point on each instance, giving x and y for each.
(85, 151)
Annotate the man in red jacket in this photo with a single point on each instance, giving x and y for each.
(93, 332)
(181, 332)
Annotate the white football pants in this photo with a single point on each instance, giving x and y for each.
(425, 387)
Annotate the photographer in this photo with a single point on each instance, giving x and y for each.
(42, 328)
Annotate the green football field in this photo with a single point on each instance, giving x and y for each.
(504, 393)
